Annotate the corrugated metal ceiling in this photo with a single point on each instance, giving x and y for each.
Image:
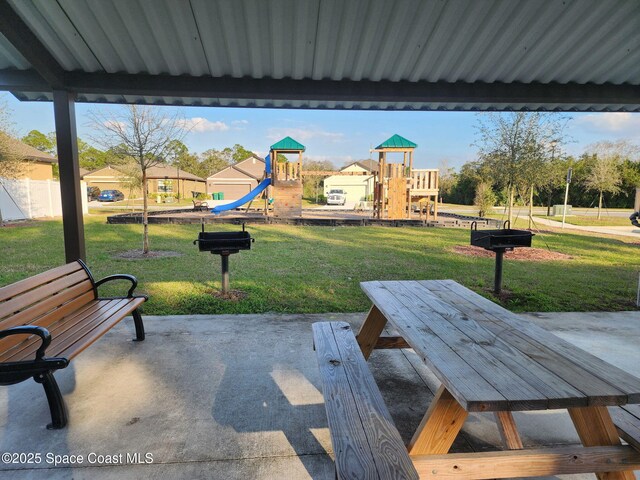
(581, 41)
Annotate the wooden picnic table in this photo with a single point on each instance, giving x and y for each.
(491, 360)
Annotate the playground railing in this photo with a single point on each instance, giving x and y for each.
(424, 179)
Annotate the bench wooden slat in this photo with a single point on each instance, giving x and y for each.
(576, 367)
(27, 349)
(627, 422)
(68, 331)
(45, 313)
(107, 311)
(63, 312)
(472, 391)
(365, 441)
(33, 313)
(350, 445)
(43, 293)
(37, 280)
(633, 409)
(100, 329)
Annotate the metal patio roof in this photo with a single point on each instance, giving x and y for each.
(355, 54)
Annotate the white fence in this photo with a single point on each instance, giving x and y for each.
(23, 199)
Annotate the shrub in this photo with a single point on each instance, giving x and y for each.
(485, 198)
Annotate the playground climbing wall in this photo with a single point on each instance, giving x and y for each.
(287, 199)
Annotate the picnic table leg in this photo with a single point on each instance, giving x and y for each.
(508, 430)
(439, 427)
(595, 428)
(370, 331)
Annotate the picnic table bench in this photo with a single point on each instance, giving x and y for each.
(487, 360)
(48, 319)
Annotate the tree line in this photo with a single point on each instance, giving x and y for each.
(177, 154)
(522, 160)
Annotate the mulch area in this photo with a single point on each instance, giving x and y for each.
(535, 254)
(233, 295)
(138, 255)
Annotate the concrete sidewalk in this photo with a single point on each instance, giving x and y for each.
(623, 231)
(238, 396)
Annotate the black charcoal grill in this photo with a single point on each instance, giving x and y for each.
(224, 244)
(500, 241)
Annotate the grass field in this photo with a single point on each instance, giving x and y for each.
(317, 269)
(590, 221)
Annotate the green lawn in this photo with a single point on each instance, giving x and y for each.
(592, 221)
(317, 269)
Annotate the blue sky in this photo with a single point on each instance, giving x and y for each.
(338, 136)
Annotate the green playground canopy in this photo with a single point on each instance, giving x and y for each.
(396, 141)
(288, 143)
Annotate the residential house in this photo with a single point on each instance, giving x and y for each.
(36, 165)
(357, 187)
(237, 180)
(160, 179)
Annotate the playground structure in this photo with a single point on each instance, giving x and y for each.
(398, 185)
(286, 179)
(282, 182)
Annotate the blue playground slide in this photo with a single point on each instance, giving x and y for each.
(249, 196)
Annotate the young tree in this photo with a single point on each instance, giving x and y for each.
(514, 146)
(143, 135)
(10, 161)
(485, 198)
(605, 173)
(447, 180)
(311, 183)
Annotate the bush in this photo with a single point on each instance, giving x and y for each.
(163, 195)
(485, 198)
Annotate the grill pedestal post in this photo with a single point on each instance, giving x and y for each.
(497, 280)
(225, 272)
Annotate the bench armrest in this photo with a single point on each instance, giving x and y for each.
(42, 332)
(120, 276)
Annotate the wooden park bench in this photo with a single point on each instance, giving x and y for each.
(48, 319)
(366, 443)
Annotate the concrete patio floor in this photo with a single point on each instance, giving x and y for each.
(238, 396)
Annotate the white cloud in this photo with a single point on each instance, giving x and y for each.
(115, 125)
(240, 122)
(613, 122)
(199, 124)
(302, 134)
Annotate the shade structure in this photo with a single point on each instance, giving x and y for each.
(575, 55)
